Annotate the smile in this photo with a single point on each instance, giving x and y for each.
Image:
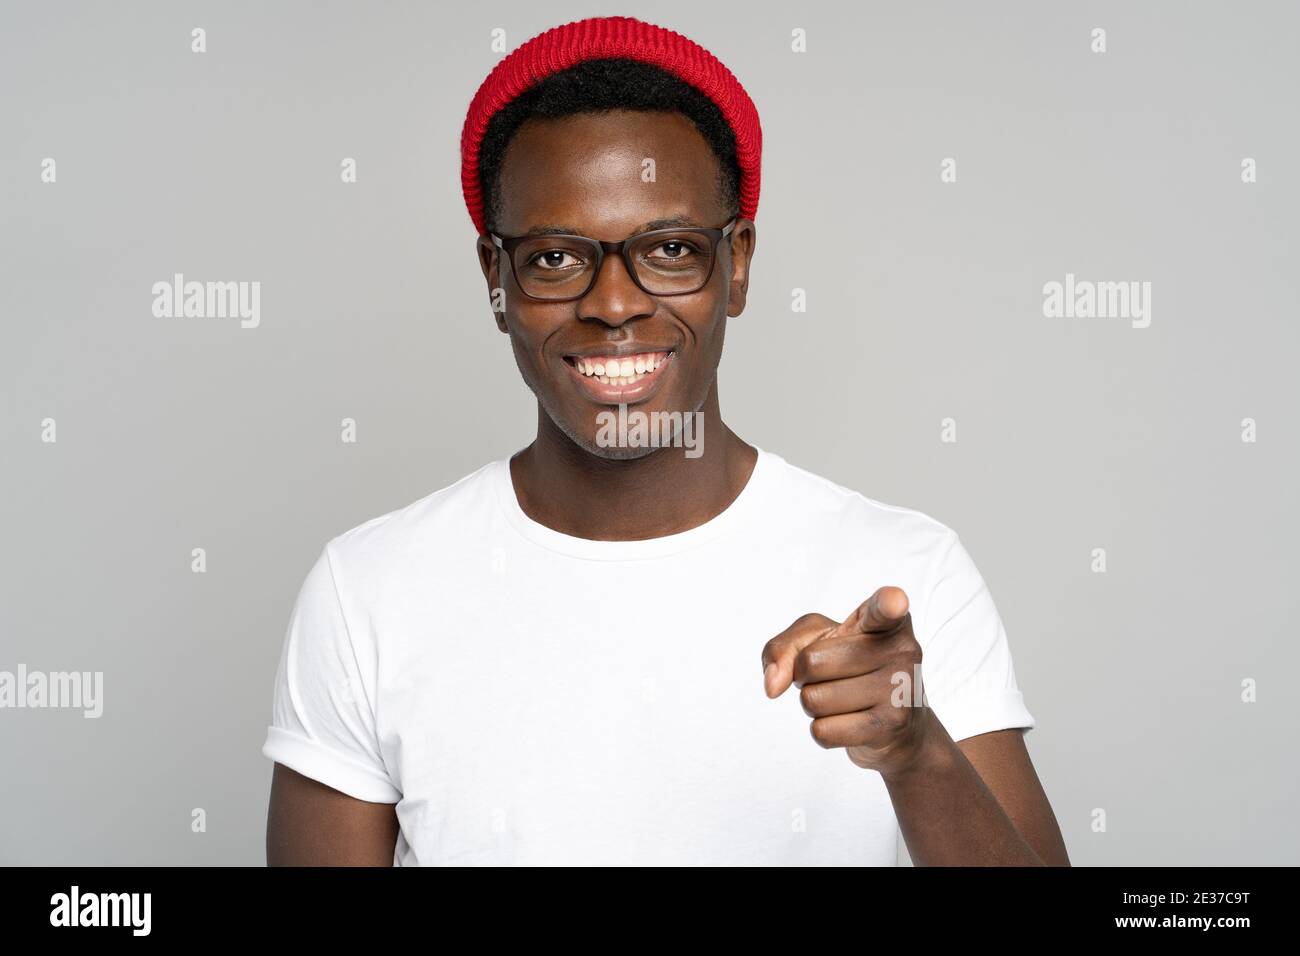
(615, 379)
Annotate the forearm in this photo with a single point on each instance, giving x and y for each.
(947, 814)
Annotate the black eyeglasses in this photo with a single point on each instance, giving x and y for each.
(557, 268)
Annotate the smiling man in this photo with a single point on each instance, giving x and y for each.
(556, 660)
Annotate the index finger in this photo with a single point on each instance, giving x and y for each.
(882, 613)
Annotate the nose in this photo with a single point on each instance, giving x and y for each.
(614, 298)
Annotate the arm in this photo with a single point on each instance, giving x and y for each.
(310, 824)
(333, 801)
(988, 785)
(977, 804)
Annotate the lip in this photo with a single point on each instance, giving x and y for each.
(620, 394)
(621, 351)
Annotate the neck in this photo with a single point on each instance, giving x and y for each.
(565, 487)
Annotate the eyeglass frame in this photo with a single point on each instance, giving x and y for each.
(508, 245)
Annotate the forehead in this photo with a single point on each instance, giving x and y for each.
(605, 175)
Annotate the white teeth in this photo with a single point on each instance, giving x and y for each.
(611, 370)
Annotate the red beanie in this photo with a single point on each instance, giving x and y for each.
(599, 38)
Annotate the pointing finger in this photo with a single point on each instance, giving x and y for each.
(880, 614)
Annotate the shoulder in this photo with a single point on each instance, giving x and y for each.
(831, 506)
(399, 538)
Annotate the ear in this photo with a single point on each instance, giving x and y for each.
(743, 239)
(489, 257)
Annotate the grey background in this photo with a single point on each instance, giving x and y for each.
(925, 302)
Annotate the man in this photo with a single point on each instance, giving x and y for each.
(552, 661)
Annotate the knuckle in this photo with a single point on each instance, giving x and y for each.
(808, 620)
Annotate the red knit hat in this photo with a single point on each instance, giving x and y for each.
(599, 38)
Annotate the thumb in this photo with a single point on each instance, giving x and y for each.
(780, 652)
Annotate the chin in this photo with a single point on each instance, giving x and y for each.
(580, 422)
(585, 438)
(616, 453)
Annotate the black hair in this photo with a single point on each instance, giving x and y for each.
(595, 86)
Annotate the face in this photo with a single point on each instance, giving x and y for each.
(583, 174)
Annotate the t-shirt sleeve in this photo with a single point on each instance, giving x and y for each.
(322, 713)
(966, 668)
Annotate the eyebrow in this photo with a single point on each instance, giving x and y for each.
(669, 223)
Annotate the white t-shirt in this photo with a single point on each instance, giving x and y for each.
(528, 697)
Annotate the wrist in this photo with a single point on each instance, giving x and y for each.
(932, 752)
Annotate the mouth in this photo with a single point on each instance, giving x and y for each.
(616, 379)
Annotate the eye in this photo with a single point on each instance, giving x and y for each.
(673, 249)
(554, 259)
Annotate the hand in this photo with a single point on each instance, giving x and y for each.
(848, 675)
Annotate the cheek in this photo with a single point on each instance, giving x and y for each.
(716, 333)
(525, 354)
(528, 335)
(708, 333)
